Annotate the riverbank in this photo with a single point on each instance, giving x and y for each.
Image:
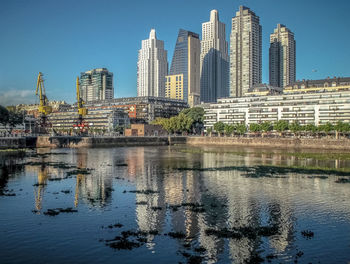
(88, 142)
(296, 143)
(91, 142)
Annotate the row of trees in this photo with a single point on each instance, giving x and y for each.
(10, 118)
(281, 126)
(188, 121)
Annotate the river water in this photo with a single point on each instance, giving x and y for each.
(174, 204)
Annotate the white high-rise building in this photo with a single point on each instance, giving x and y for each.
(282, 57)
(152, 67)
(214, 60)
(245, 52)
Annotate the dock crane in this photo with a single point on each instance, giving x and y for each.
(82, 111)
(44, 108)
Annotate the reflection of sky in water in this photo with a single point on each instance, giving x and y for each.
(293, 202)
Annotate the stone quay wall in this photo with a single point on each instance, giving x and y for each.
(298, 143)
(88, 142)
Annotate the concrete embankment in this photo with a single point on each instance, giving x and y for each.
(301, 143)
(17, 142)
(78, 142)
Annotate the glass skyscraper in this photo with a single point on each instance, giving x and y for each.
(183, 81)
(96, 84)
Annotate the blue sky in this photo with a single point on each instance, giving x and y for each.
(62, 38)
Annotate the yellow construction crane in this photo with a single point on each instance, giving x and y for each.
(82, 111)
(44, 108)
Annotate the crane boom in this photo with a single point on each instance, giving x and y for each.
(44, 108)
(82, 111)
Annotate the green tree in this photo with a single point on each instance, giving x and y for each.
(229, 128)
(219, 127)
(311, 128)
(241, 129)
(266, 126)
(281, 126)
(4, 115)
(326, 128)
(196, 113)
(15, 118)
(295, 127)
(341, 127)
(254, 127)
(209, 130)
(184, 122)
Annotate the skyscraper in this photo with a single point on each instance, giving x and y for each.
(245, 52)
(183, 81)
(96, 84)
(214, 60)
(282, 57)
(152, 67)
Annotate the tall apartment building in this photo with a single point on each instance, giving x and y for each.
(152, 67)
(96, 84)
(183, 81)
(282, 57)
(245, 52)
(214, 59)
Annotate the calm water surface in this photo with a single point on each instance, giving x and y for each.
(227, 205)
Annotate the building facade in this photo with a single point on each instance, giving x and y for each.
(96, 84)
(97, 118)
(245, 52)
(174, 86)
(282, 57)
(144, 130)
(142, 109)
(214, 60)
(308, 102)
(185, 62)
(152, 67)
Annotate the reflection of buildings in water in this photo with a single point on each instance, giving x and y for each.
(244, 208)
(95, 188)
(39, 190)
(10, 164)
(173, 189)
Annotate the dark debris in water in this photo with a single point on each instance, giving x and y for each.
(318, 177)
(269, 171)
(141, 203)
(56, 165)
(177, 235)
(307, 234)
(144, 191)
(343, 180)
(57, 211)
(121, 165)
(79, 171)
(66, 191)
(117, 225)
(130, 239)
(243, 232)
(39, 184)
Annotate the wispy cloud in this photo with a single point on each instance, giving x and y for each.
(13, 97)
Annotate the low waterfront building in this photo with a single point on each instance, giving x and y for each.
(142, 109)
(305, 108)
(336, 84)
(33, 109)
(97, 118)
(263, 89)
(142, 130)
